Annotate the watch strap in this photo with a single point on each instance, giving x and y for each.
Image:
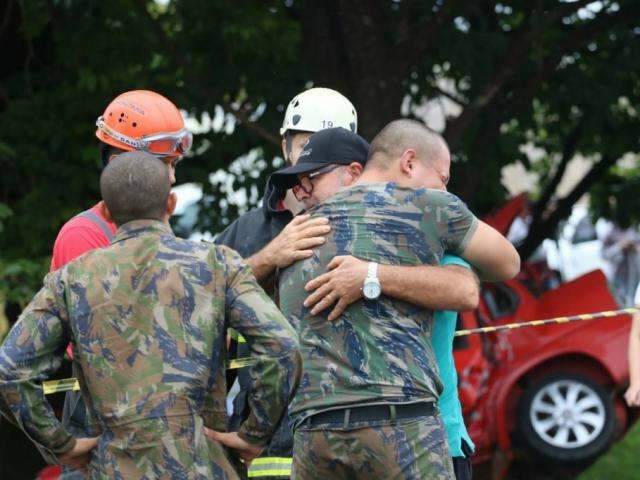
(373, 270)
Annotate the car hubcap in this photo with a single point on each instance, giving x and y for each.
(567, 414)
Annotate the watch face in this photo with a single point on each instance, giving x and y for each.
(371, 290)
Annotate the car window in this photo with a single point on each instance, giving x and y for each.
(460, 342)
(501, 301)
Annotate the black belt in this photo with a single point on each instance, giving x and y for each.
(372, 413)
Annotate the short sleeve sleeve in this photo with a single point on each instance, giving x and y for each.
(454, 223)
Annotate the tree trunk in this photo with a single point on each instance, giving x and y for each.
(375, 87)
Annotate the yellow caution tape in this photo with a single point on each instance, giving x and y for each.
(549, 321)
(67, 384)
(270, 467)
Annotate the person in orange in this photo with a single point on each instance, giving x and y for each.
(136, 120)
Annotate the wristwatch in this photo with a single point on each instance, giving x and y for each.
(371, 288)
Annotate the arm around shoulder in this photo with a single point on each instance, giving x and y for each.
(494, 256)
(448, 287)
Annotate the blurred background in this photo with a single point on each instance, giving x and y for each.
(535, 98)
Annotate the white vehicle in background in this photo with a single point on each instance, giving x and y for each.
(578, 248)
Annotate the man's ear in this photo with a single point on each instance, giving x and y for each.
(354, 171)
(172, 201)
(407, 162)
(105, 211)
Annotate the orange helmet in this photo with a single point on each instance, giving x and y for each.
(146, 121)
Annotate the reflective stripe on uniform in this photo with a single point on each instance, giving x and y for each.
(236, 336)
(270, 467)
(57, 386)
(236, 363)
(99, 222)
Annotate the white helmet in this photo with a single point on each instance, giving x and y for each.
(319, 108)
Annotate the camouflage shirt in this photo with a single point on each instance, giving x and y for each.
(379, 350)
(146, 318)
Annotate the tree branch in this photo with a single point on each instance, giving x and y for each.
(242, 114)
(546, 228)
(568, 152)
(514, 57)
(6, 17)
(577, 39)
(450, 96)
(419, 42)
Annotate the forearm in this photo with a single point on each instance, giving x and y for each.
(33, 350)
(23, 404)
(262, 264)
(438, 288)
(274, 347)
(492, 255)
(273, 384)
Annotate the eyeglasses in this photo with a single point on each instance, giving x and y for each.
(166, 144)
(306, 183)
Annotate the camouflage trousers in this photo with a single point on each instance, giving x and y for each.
(406, 449)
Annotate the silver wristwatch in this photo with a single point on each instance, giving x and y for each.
(371, 288)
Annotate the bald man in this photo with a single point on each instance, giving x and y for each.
(366, 404)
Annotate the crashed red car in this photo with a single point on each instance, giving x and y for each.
(555, 390)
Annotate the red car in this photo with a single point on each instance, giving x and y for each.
(555, 389)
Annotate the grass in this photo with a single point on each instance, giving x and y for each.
(621, 462)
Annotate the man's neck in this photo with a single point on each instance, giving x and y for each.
(375, 176)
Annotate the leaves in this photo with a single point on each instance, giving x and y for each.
(549, 75)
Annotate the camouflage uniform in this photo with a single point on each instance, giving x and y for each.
(146, 318)
(377, 352)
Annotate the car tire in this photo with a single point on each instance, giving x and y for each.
(567, 417)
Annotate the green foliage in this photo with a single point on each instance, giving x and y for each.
(621, 462)
(5, 212)
(561, 76)
(616, 197)
(19, 279)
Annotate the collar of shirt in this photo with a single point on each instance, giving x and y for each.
(137, 228)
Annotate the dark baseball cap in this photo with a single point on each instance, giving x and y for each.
(331, 146)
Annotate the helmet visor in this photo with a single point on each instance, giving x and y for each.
(165, 144)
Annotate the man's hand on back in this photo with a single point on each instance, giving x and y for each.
(450, 287)
(295, 242)
(245, 450)
(80, 455)
(342, 284)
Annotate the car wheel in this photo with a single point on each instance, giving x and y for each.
(567, 417)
